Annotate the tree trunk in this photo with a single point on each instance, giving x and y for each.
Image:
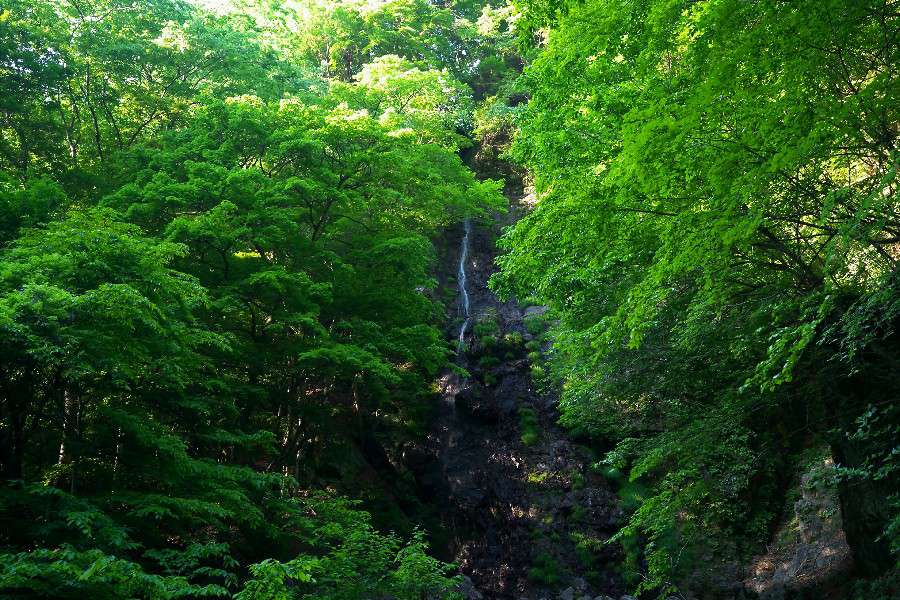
(12, 452)
(71, 410)
(12, 442)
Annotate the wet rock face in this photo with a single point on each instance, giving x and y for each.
(478, 402)
(528, 519)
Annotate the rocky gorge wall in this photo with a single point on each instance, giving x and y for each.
(528, 517)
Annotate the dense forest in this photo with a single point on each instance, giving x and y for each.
(229, 291)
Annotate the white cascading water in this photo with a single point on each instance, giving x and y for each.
(461, 280)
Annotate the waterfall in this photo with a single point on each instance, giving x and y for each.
(461, 281)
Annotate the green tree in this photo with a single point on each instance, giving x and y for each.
(343, 36)
(215, 273)
(717, 203)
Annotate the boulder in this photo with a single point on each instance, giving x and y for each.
(468, 590)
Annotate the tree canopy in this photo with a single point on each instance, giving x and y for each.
(219, 231)
(716, 228)
(215, 263)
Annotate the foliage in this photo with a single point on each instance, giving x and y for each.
(535, 324)
(355, 561)
(216, 287)
(487, 362)
(486, 326)
(717, 232)
(513, 340)
(215, 273)
(67, 573)
(545, 570)
(528, 425)
(587, 548)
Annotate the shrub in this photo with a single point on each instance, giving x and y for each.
(486, 325)
(486, 362)
(578, 480)
(545, 570)
(538, 477)
(530, 438)
(535, 324)
(487, 342)
(528, 425)
(586, 548)
(578, 514)
(513, 339)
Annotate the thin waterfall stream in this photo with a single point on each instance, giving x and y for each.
(500, 526)
(461, 281)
